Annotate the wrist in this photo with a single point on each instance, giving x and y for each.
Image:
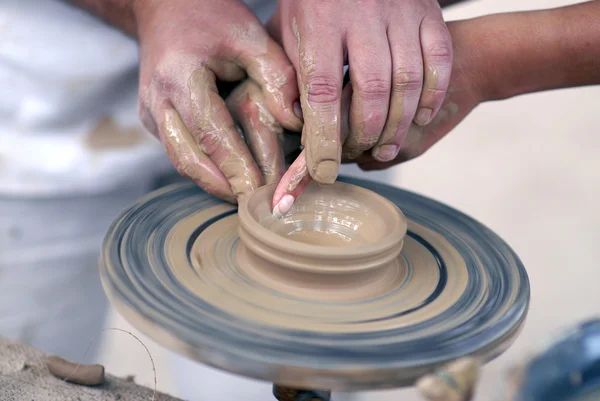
(526, 52)
(469, 69)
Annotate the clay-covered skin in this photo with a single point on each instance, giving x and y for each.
(527, 59)
(190, 160)
(392, 48)
(466, 90)
(263, 134)
(338, 229)
(186, 46)
(87, 375)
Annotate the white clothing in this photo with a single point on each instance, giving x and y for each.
(50, 291)
(62, 71)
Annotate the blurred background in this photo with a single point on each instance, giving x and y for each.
(529, 169)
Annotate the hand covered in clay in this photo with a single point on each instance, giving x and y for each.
(495, 57)
(466, 90)
(399, 55)
(186, 48)
(265, 136)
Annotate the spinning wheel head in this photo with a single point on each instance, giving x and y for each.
(439, 286)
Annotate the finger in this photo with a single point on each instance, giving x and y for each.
(262, 132)
(347, 93)
(291, 186)
(371, 75)
(407, 78)
(213, 129)
(274, 25)
(320, 82)
(267, 64)
(297, 178)
(189, 160)
(436, 46)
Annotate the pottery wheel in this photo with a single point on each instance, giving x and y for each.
(170, 265)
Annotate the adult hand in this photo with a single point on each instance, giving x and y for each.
(186, 48)
(399, 55)
(468, 87)
(266, 138)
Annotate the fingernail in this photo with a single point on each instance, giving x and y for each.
(385, 153)
(423, 116)
(284, 206)
(326, 172)
(298, 110)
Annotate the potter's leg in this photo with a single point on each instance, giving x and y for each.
(50, 291)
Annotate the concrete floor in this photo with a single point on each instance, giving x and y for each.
(529, 169)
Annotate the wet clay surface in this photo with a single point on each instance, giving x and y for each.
(181, 267)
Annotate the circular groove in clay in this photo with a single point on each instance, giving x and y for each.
(337, 229)
(171, 266)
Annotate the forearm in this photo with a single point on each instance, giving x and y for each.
(119, 13)
(533, 51)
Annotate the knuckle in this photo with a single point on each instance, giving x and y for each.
(437, 93)
(323, 90)
(373, 88)
(440, 51)
(405, 80)
(209, 141)
(247, 106)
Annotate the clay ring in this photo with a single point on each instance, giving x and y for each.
(174, 266)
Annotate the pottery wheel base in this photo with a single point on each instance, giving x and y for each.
(282, 393)
(171, 266)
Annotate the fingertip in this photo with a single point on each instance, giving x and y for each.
(325, 172)
(385, 153)
(423, 116)
(283, 206)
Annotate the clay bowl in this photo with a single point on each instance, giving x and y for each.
(333, 229)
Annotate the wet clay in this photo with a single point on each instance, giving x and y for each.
(190, 160)
(395, 117)
(216, 135)
(337, 230)
(320, 133)
(262, 132)
(291, 302)
(430, 89)
(87, 375)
